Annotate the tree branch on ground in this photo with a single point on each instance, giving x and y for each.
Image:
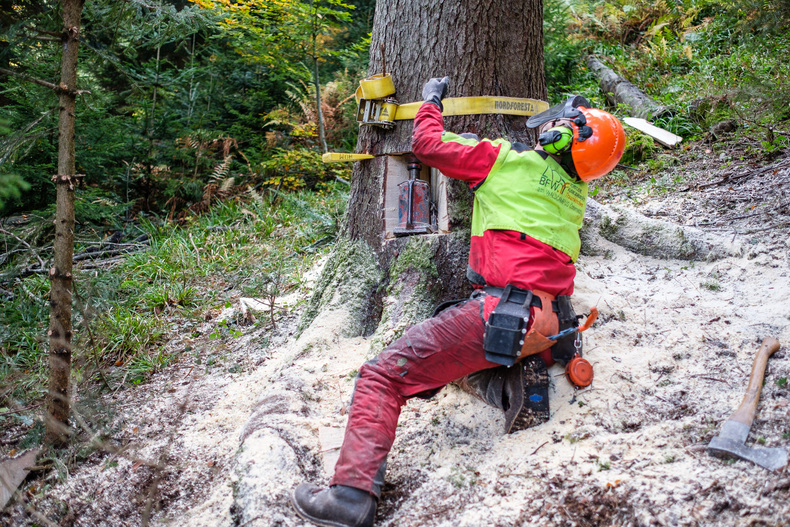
(623, 93)
(23, 242)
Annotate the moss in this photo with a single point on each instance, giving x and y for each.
(350, 279)
(417, 255)
(412, 292)
(609, 228)
(639, 148)
(685, 247)
(649, 238)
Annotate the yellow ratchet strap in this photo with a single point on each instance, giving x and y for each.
(378, 108)
(375, 87)
(380, 87)
(477, 105)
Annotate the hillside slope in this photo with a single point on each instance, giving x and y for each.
(223, 445)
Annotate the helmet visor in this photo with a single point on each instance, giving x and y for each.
(564, 109)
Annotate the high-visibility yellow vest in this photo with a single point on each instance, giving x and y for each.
(526, 193)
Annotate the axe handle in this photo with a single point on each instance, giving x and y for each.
(745, 412)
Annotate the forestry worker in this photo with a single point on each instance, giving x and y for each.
(528, 209)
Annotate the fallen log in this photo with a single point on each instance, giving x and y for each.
(649, 237)
(103, 249)
(624, 94)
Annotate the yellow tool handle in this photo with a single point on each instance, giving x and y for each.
(342, 157)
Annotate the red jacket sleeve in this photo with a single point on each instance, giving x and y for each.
(470, 163)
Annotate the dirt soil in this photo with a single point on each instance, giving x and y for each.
(221, 437)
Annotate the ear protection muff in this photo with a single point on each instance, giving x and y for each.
(556, 140)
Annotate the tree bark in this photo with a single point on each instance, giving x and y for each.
(486, 47)
(623, 93)
(316, 79)
(319, 111)
(61, 279)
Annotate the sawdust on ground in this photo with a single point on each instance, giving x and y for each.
(672, 351)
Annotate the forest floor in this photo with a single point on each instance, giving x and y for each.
(221, 437)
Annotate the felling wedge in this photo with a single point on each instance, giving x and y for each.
(377, 107)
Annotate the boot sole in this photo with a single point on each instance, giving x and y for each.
(302, 514)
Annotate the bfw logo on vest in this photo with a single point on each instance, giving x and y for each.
(551, 180)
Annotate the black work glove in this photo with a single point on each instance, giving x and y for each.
(435, 90)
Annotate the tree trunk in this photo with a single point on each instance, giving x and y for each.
(317, 80)
(61, 280)
(486, 48)
(319, 112)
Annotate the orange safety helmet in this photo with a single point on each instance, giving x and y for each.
(597, 155)
(598, 137)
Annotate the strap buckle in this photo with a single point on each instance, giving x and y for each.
(377, 112)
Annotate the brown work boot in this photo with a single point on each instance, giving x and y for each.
(336, 506)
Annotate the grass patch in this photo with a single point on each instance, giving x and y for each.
(123, 316)
(711, 285)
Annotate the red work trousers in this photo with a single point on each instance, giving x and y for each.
(428, 356)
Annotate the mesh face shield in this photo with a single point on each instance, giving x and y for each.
(566, 110)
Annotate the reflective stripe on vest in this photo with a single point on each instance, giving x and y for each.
(529, 194)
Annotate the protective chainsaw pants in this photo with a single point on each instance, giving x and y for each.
(427, 357)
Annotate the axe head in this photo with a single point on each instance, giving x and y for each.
(731, 442)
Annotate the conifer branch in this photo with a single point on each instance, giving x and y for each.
(57, 88)
(28, 78)
(43, 32)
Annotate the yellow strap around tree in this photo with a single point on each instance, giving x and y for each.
(381, 86)
(377, 89)
(477, 105)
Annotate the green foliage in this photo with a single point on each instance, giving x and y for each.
(299, 168)
(711, 285)
(172, 84)
(11, 187)
(282, 33)
(124, 334)
(259, 244)
(561, 50)
(709, 61)
(24, 313)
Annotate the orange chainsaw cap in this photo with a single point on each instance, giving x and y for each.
(597, 155)
(579, 372)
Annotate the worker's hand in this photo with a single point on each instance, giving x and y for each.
(435, 90)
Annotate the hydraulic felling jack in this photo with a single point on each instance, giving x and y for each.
(414, 204)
